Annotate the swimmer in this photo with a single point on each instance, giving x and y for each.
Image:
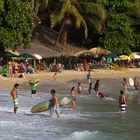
(103, 95)
(80, 89)
(96, 87)
(72, 93)
(122, 101)
(136, 83)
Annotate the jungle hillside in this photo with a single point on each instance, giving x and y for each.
(111, 24)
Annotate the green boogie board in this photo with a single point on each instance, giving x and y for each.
(47, 104)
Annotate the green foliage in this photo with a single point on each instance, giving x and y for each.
(118, 36)
(16, 23)
(86, 12)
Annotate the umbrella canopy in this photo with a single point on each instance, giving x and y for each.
(134, 56)
(37, 56)
(26, 55)
(99, 51)
(124, 57)
(111, 55)
(13, 52)
(8, 54)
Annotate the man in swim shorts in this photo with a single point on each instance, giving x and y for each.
(55, 107)
(122, 101)
(15, 96)
(136, 83)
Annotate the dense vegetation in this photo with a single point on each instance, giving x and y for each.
(111, 24)
(16, 23)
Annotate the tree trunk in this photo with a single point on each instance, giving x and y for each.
(60, 32)
(65, 38)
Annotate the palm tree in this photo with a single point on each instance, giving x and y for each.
(82, 10)
(37, 3)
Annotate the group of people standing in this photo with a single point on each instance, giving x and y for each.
(55, 107)
(122, 98)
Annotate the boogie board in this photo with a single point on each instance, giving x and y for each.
(131, 82)
(33, 80)
(47, 104)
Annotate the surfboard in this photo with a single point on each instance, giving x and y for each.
(64, 100)
(43, 106)
(47, 104)
(131, 82)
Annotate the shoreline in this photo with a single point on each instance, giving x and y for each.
(69, 75)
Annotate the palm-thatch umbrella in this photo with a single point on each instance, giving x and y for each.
(83, 54)
(99, 51)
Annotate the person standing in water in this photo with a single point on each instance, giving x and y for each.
(15, 97)
(33, 89)
(54, 76)
(136, 83)
(90, 88)
(122, 101)
(55, 107)
(73, 94)
(125, 85)
(80, 89)
(89, 76)
(96, 87)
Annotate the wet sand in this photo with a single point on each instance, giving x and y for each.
(47, 82)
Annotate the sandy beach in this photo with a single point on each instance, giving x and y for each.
(69, 75)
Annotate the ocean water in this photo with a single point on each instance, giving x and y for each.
(94, 119)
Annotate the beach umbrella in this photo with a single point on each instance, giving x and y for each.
(8, 54)
(124, 57)
(26, 55)
(99, 50)
(39, 57)
(134, 56)
(111, 55)
(13, 52)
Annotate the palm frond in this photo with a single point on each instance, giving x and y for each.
(97, 24)
(58, 16)
(136, 8)
(66, 5)
(79, 20)
(94, 9)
